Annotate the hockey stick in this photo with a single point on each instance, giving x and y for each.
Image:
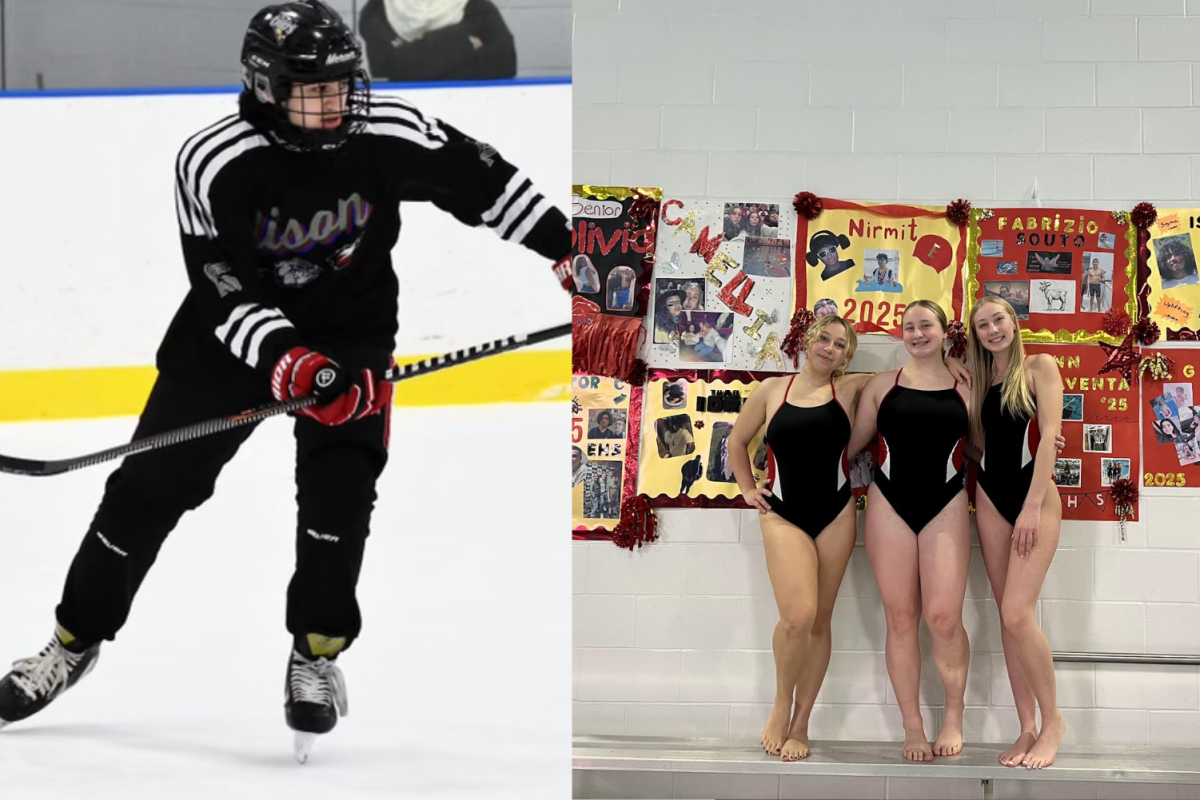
(23, 466)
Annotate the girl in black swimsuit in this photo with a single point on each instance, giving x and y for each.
(917, 530)
(807, 516)
(1016, 413)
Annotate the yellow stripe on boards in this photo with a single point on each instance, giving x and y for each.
(533, 376)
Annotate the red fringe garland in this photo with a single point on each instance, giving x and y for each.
(638, 524)
(606, 345)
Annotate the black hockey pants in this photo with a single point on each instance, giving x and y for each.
(336, 471)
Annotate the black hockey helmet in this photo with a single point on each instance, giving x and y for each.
(297, 43)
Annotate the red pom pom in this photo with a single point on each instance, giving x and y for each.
(1116, 322)
(956, 334)
(1124, 492)
(637, 373)
(795, 335)
(807, 205)
(638, 524)
(644, 208)
(958, 212)
(1145, 331)
(699, 423)
(1143, 215)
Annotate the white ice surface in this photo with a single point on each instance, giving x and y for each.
(459, 685)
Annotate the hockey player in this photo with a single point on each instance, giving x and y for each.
(288, 213)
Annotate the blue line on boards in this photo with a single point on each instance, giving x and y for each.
(142, 91)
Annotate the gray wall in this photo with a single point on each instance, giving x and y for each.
(131, 43)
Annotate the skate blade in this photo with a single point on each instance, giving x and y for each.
(303, 745)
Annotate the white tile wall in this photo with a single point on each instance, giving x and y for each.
(1175, 688)
(973, 98)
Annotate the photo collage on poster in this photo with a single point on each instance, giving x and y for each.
(1175, 421)
(867, 262)
(1059, 269)
(599, 445)
(1099, 416)
(685, 451)
(722, 285)
(1173, 280)
(1171, 424)
(609, 252)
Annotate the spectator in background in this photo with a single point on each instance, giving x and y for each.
(437, 40)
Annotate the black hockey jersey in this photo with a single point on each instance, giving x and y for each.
(285, 248)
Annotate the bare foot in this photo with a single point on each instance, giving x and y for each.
(949, 738)
(1046, 747)
(916, 746)
(773, 732)
(1015, 754)
(795, 748)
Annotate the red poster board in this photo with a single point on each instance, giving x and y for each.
(1100, 425)
(1171, 425)
(1060, 268)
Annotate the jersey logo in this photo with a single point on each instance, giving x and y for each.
(219, 273)
(293, 273)
(487, 153)
(281, 236)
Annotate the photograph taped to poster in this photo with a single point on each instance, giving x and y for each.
(1171, 425)
(610, 253)
(1173, 281)
(721, 293)
(685, 454)
(1061, 268)
(1100, 425)
(869, 261)
(600, 442)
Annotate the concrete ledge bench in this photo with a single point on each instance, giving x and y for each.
(1084, 763)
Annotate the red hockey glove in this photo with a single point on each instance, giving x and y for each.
(562, 271)
(302, 372)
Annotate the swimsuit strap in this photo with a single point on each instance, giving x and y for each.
(833, 388)
(784, 400)
(897, 383)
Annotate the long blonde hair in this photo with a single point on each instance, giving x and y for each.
(1015, 396)
(821, 324)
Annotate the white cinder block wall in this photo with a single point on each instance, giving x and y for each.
(917, 100)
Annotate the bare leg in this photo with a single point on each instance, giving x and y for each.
(834, 546)
(944, 557)
(792, 565)
(995, 540)
(892, 548)
(1022, 587)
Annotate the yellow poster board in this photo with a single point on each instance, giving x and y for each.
(599, 444)
(867, 262)
(1174, 282)
(685, 428)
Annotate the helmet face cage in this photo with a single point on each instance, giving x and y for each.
(295, 45)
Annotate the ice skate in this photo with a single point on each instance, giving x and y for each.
(315, 691)
(34, 682)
